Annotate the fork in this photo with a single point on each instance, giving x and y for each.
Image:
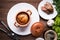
(10, 34)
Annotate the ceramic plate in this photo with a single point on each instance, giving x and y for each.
(16, 9)
(43, 14)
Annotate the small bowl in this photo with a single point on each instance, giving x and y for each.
(50, 31)
(39, 38)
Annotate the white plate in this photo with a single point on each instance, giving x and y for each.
(16, 9)
(43, 14)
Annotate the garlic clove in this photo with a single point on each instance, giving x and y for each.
(50, 22)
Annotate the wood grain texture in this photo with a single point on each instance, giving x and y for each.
(5, 5)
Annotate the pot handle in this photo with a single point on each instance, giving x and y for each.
(29, 12)
(16, 24)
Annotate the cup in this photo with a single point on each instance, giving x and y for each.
(23, 18)
(50, 34)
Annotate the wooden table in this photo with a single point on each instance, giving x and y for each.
(5, 5)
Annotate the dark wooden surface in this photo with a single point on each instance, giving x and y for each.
(5, 5)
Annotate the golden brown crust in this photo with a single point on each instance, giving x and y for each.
(37, 29)
(22, 18)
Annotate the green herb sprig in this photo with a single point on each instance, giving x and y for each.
(56, 25)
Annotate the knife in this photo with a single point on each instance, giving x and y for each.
(11, 34)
